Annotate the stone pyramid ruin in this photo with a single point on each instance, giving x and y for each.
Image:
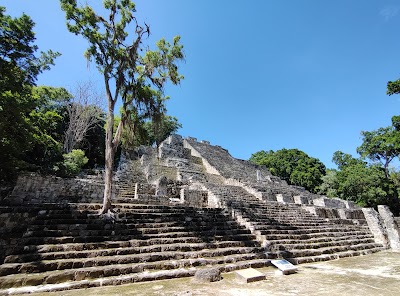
(179, 208)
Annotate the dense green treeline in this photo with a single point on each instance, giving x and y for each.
(367, 180)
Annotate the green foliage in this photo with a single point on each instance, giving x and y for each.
(362, 184)
(19, 70)
(393, 87)
(329, 184)
(396, 122)
(74, 162)
(356, 180)
(18, 62)
(293, 166)
(149, 132)
(381, 145)
(343, 160)
(161, 129)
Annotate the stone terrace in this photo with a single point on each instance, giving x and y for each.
(68, 246)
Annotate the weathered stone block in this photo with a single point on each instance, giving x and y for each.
(391, 227)
(376, 226)
(329, 202)
(284, 198)
(208, 275)
(301, 200)
(249, 275)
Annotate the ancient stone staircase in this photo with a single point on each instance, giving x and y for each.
(288, 231)
(68, 246)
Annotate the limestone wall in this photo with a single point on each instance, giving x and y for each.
(391, 225)
(34, 188)
(194, 198)
(376, 226)
(12, 226)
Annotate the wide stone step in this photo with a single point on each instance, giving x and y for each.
(283, 219)
(316, 240)
(142, 227)
(326, 257)
(50, 252)
(183, 237)
(295, 253)
(300, 226)
(85, 207)
(309, 231)
(307, 236)
(136, 219)
(57, 261)
(123, 213)
(50, 282)
(128, 264)
(192, 230)
(280, 246)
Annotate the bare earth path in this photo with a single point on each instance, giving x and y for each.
(376, 274)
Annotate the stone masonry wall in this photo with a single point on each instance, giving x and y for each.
(12, 225)
(33, 188)
(194, 198)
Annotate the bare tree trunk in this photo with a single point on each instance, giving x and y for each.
(109, 160)
(109, 163)
(111, 147)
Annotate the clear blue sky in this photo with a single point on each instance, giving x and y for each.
(259, 74)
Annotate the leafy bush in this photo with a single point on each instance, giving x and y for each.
(74, 162)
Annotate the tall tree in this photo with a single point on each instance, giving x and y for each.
(138, 79)
(293, 166)
(381, 145)
(20, 67)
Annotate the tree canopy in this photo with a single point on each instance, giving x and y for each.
(356, 180)
(293, 166)
(381, 145)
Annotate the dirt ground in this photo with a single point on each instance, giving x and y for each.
(376, 274)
